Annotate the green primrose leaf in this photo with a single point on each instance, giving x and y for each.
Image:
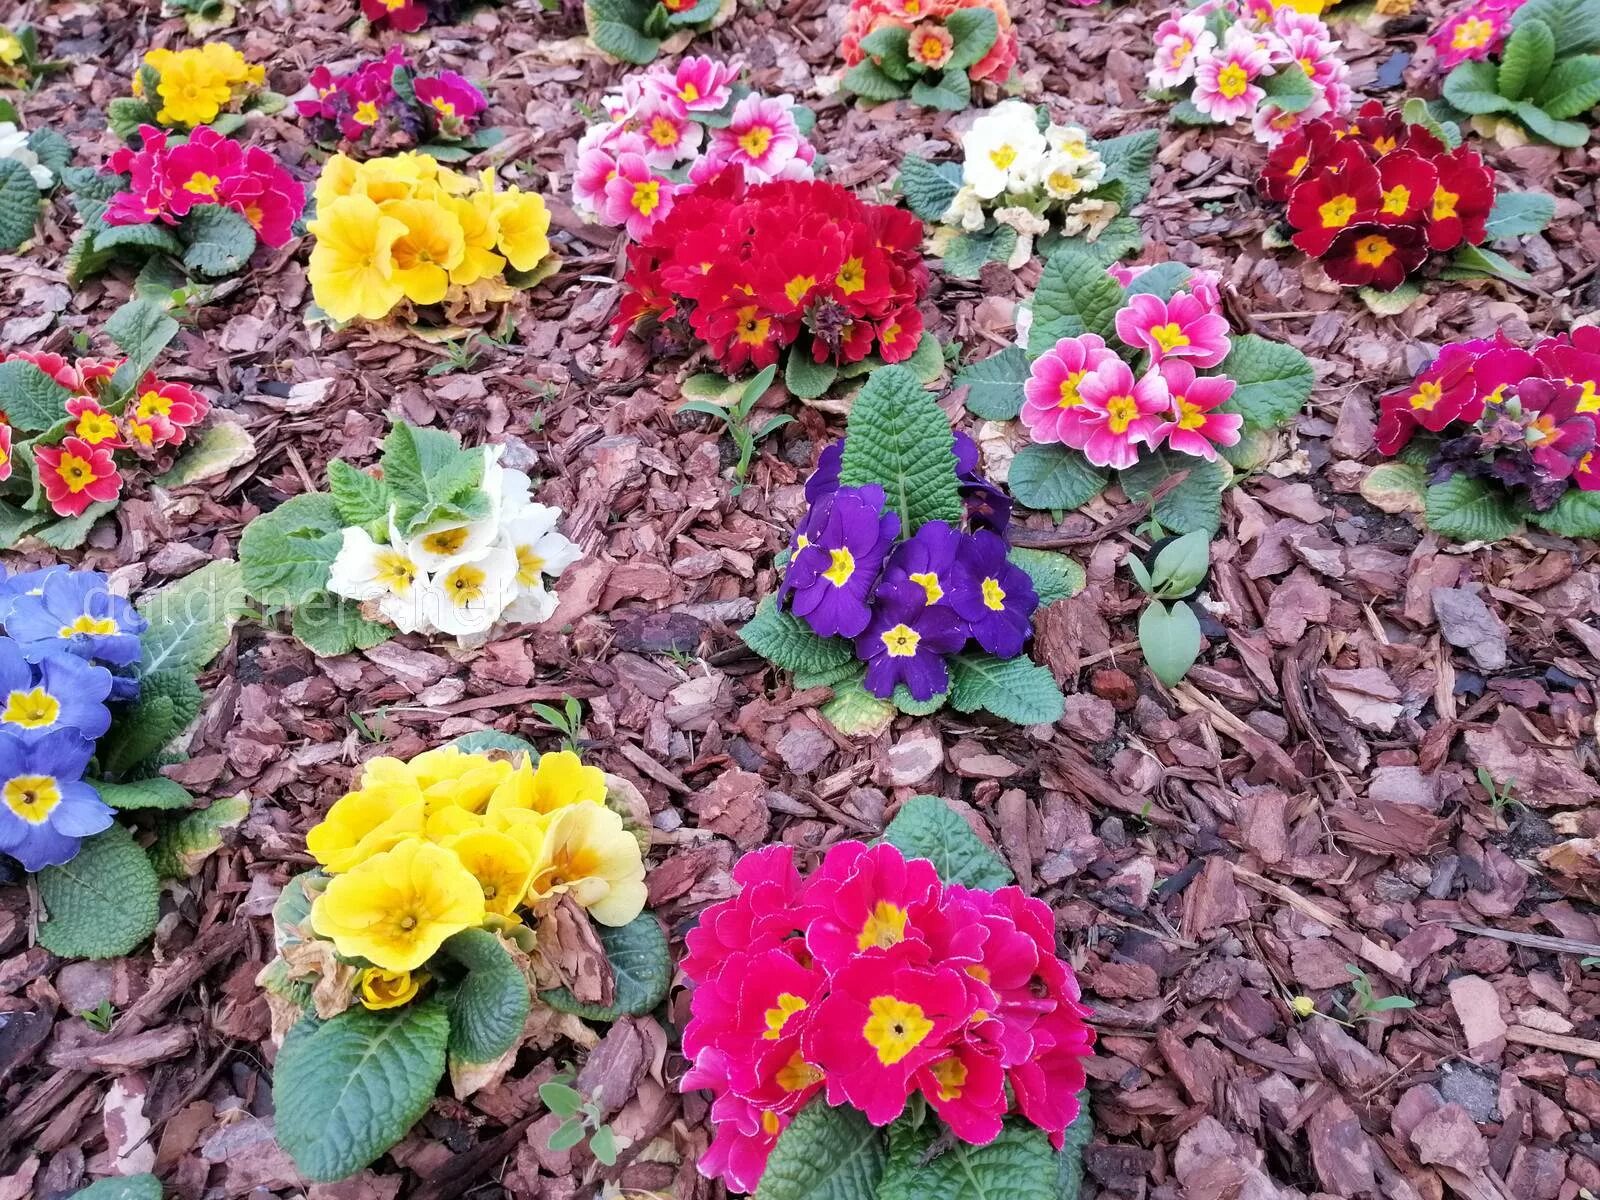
(122, 1187)
(191, 620)
(974, 31)
(1272, 380)
(824, 1154)
(927, 827)
(1129, 159)
(1019, 1165)
(928, 187)
(949, 91)
(787, 642)
(1518, 214)
(1575, 515)
(286, 553)
(1542, 125)
(1181, 564)
(1576, 23)
(489, 1006)
(1075, 296)
(101, 904)
(1048, 477)
(1572, 88)
(346, 1090)
(360, 498)
(1470, 510)
(168, 700)
(806, 378)
(1473, 87)
(330, 625)
(966, 253)
(856, 712)
(19, 204)
(1289, 88)
(1195, 503)
(994, 384)
(155, 792)
(31, 400)
(1013, 689)
(184, 842)
(219, 241)
(1526, 58)
(867, 80)
(899, 437)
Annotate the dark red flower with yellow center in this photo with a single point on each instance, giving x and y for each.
(1406, 183)
(1343, 193)
(1372, 255)
(1303, 150)
(1459, 211)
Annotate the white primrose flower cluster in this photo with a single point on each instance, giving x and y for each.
(461, 578)
(1028, 178)
(14, 145)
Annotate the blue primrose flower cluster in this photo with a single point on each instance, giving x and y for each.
(908, 602)
(66, 654)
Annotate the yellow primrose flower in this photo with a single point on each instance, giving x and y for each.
(524, 826)
(340, 176)
(446, 821)
(479, 231)
(502, 866)
(447, 776)
(192, 92)
(524, 222)
(389, 989)
(432, 246)
(230, 64)
(352, 264)
(561, 779)
(11, 51)
(396, 909)
(363, 823)
(590, 856)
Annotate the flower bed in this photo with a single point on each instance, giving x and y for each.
(385, 104)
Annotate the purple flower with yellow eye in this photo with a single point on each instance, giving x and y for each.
(825, 478)
(907, 640)
(45, 807)
(993, 596)
(925, 560)
(846, 536)
(76, 612)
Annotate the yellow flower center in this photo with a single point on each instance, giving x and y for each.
(1232, 81)
(1120, 412)
(366, 113)
(1590, 400)
(901, 641)
(1426, 396)
(93, 626)
(770, 1125)
(952, 1076)
(1299, 165)
(201, 184)
(842, 567)
(1397, 200)
(646, 196)
(1003, 155)
(1069, 390)
(1472, 33)
(394, 571)
(852, 277)
(688, 93)
(1180, 52)
(1444, 204)
(778, 1016)
(1336, 213)
(31, 710)
(994, 596)
(1190, 415)
(77, 473)
(1169, 336)
(446, 541)
(663, 132)
(530, 566)
(464, 585)
(755, 140)
(929, 582)
(895, 1028)
(932, 49)
(32, 797)
(798, 288)
(1374, 250)
(753, 330)
(797, 1074)
(885, 926)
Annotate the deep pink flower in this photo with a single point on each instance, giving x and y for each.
(1225, 87)
(769, 907)
(1053, 405)
(596, 168)
(967, 1088)
(882, 1021)
(636, 197)
(1119, 413)
(1473, 32)
(703, 84)
(5, 452)
(452, 101)
(1182, 327)
(1194, 426)
(201, 171)
(867, 898)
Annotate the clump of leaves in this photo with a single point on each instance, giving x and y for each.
(1548, 73)
(580, 1120)
(1364, 1003)
(745, 432)
(1169, 632)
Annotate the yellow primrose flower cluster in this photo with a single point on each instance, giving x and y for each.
(422, 850)
(197, 85)
(403, 227)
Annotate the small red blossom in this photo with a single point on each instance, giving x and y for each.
(92, 423)
(1373, 255)
(407, 16)
(75, 475)
(1343, 193)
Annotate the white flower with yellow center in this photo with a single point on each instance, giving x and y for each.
(467, 597)
(1003, 150)
(380, 575)
(542, 553)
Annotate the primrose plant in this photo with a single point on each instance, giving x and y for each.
(1169, 632)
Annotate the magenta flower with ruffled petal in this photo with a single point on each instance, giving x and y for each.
(1053, 407)
(1182, 327)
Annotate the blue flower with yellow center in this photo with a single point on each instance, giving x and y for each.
(45, 807)
(993, 596)
(76, 612)
(61, 692)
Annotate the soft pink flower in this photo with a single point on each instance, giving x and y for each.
(1181, 42)
(636, 197)
(1182, 327)
(1206, 287)
(1119, 413)
(761, 139)
(1473, 32)
(1224, 81)
(703, 84)
(596, 168)
(1053, 405)
(1193, 424)
(669, 135)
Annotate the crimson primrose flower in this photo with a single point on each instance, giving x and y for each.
(1300, 154)
(76, 475)
(1461, 201)
(1343, 192)
(1408, 183)
(1558, 435)
(407, 16)
(847, 535)
(1373, 255)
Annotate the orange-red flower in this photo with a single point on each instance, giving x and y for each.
(75, 475)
